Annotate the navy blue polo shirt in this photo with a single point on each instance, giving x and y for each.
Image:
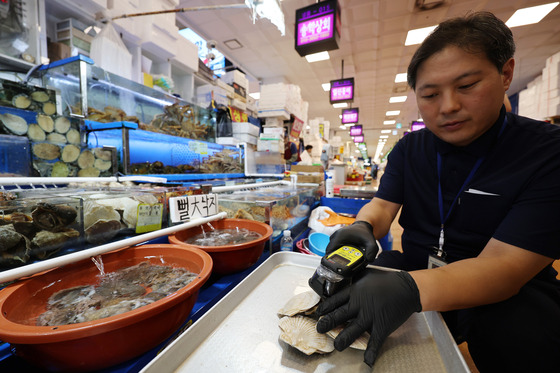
(514, 196)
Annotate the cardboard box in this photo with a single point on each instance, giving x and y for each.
(59, 51)
(308, 174)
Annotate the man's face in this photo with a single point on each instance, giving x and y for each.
(460, 94)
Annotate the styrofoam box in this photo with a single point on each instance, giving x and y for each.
(274, 130)
(245, 127)
(227, 141)
(235, 76)
(270, 146)
(245, 137)
(238, 104)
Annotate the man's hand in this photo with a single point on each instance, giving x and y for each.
(379, 302)
(359, 235)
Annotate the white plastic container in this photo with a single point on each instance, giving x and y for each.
(329, 186)
(287, 243)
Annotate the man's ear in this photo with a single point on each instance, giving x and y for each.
(507, 73)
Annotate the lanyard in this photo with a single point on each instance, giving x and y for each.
(443, 217)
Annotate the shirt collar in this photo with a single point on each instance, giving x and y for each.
(478, 147)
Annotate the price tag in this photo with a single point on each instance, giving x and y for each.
(149, 217)
(182, 209)
(198, 147)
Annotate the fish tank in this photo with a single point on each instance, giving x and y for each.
(15, 156)
(152, 153)
(281, 208)
(108, 215)
(92, 93)
(37, 228)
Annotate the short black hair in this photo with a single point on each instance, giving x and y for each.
(307, 147)
(479, 32)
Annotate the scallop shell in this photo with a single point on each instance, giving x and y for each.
(359, 344)
(21, 101)
(300, 332)
(94, 212)
(45, 122)
(40, 96)
(61, 125)
(300, 303)
(14, 124)
(56, 138)
(46, 151)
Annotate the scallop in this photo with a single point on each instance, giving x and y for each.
(359, 344)
(40, 96)
(300, 303)
(300, 332)
(21, 101)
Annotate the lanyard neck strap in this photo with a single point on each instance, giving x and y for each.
(443, 217)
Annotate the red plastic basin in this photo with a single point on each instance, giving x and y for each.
(233, 258)
(105, 342)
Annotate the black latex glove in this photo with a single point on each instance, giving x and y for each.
(379, 302)
(359, 235)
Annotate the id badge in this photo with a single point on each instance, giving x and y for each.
(435, 261)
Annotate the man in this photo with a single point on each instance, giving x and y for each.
(291, 153)
(308, 149)
(480, 197)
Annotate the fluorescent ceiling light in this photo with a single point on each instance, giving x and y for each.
(389, 121)
(392, 112)
(321, 56)
(343, 127)
(255, 95)
(326, 86)
(308, 127)
(357, 151)
(340, 105)
(384, 137)
(385, 131)
(394, 99)
(420, 120)
(528, 16)
(418, 35)
(399, 78)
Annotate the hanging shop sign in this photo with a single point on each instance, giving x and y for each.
(317, 27)
(356, 130)
(350, 115)
(415, 126)
(297, 126)
(342, 90)
(358, 139)
(238, 115)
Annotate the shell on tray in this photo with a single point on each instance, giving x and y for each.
(300, 303)
(300, 332)
(53, 240)
(359, 344)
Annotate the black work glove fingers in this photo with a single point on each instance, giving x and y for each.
(337, 317)
(333, 302)
(359, 235)
(350, 333)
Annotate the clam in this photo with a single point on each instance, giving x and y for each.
(49, 108)
(36, 133)
(56, 138)
(300, 332)
(14, 124)
(301, 303)
(14, 247)
(46, 242)
(102, 231)
(359, 344)
(53, 218)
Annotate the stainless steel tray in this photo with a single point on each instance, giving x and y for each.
(240, 333)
